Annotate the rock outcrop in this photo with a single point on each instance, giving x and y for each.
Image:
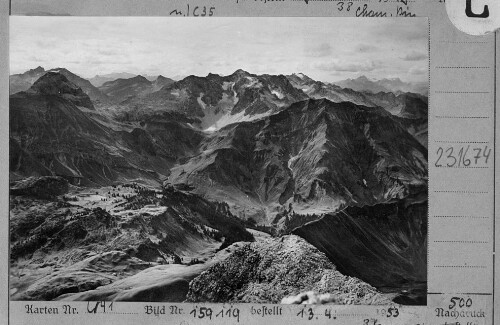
(45, 187)
(272, 269)
(313, 298)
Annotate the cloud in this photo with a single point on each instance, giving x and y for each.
(417, 34)
(107, 52)
(415, 56)
(321, 50)
(417, 70)
(35, 59)
(278, 46)
(98, 61)
(405, 31)
(345, 66)
(365, 48)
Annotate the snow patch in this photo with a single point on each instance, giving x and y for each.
(200, 101)
(227, 85)
(230, 86)
(306, 89)
(236, 118)
(253, 82)
(277, 93)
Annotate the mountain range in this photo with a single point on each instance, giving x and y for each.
(394, 85)
(199, 109)
(52, 131)
(122, 89)
(316, 155)
(99, 80)
(282, 154)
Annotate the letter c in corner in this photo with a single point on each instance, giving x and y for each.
(469, 13)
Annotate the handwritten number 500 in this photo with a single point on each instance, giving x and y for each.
(340, 6)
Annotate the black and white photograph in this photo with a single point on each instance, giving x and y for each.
(222, 160)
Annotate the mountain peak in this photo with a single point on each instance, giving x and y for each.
(161, 81)
(140, 78)
(52, 83)
(212, 75)
(55, 83)
(300, 75)
(38, 69)
(60, 70)
(362, 78)
(240, 72)
(33, 72)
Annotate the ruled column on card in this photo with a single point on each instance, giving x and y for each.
(461, 160)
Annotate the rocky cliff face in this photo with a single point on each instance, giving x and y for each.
(384, 245)
(216, 101)
(271, 270)
(410, 109)
(315, 157)
(51, 133)
(56, 84)
(46, 187)
(24, 81)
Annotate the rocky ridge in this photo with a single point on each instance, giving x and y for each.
(270, 270)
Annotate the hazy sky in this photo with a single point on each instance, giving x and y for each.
(326, 49)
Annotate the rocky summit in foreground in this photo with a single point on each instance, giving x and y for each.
(273, 269)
